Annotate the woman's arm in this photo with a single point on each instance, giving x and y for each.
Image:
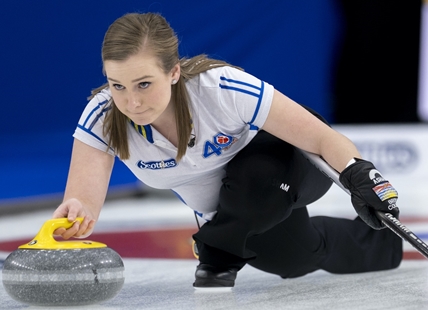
(87, 185)
(370, 192)
(292, 123)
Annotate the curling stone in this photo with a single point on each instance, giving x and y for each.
(45, 272)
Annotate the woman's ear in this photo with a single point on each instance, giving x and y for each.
(175, 72)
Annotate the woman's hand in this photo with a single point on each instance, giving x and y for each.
(72, 209)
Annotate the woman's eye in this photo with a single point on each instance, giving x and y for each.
(118, 86)
(144, 84)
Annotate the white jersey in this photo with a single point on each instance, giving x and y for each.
(228, 107)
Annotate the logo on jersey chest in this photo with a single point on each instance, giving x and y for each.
(155, 165)
(221, 142)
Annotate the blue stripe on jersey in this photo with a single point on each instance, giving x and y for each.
(253, 127)
(99, 106)
(240, 89)
(262, 90)
(87, 130)
(179, 197)
(149, 134)
(258, 94)
(98, 117)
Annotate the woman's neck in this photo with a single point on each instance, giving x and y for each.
(166, 125)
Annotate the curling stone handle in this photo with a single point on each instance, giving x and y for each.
(45, 233)
(45, 240)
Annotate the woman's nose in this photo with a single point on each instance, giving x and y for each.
(133, 100)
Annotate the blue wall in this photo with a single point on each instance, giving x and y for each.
(50, 60)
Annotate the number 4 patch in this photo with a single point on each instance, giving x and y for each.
(220, 141)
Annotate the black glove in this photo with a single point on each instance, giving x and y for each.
(370, 192)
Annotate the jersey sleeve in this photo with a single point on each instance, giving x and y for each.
(245, 96)
(89, 129)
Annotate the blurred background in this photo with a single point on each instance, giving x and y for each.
(361, 64)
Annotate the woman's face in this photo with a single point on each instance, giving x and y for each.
(140, 88)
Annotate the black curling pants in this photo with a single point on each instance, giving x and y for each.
(262, 219)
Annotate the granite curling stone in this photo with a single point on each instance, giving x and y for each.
(46, 272)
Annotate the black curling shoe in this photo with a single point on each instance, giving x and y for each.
(210, 277)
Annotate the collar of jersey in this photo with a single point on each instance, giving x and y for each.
(145, 131)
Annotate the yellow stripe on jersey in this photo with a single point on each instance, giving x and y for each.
(140, 129)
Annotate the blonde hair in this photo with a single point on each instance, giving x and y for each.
(127, 36)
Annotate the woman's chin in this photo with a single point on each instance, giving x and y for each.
(140, 121)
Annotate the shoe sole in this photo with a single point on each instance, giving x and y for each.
(212, 289)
